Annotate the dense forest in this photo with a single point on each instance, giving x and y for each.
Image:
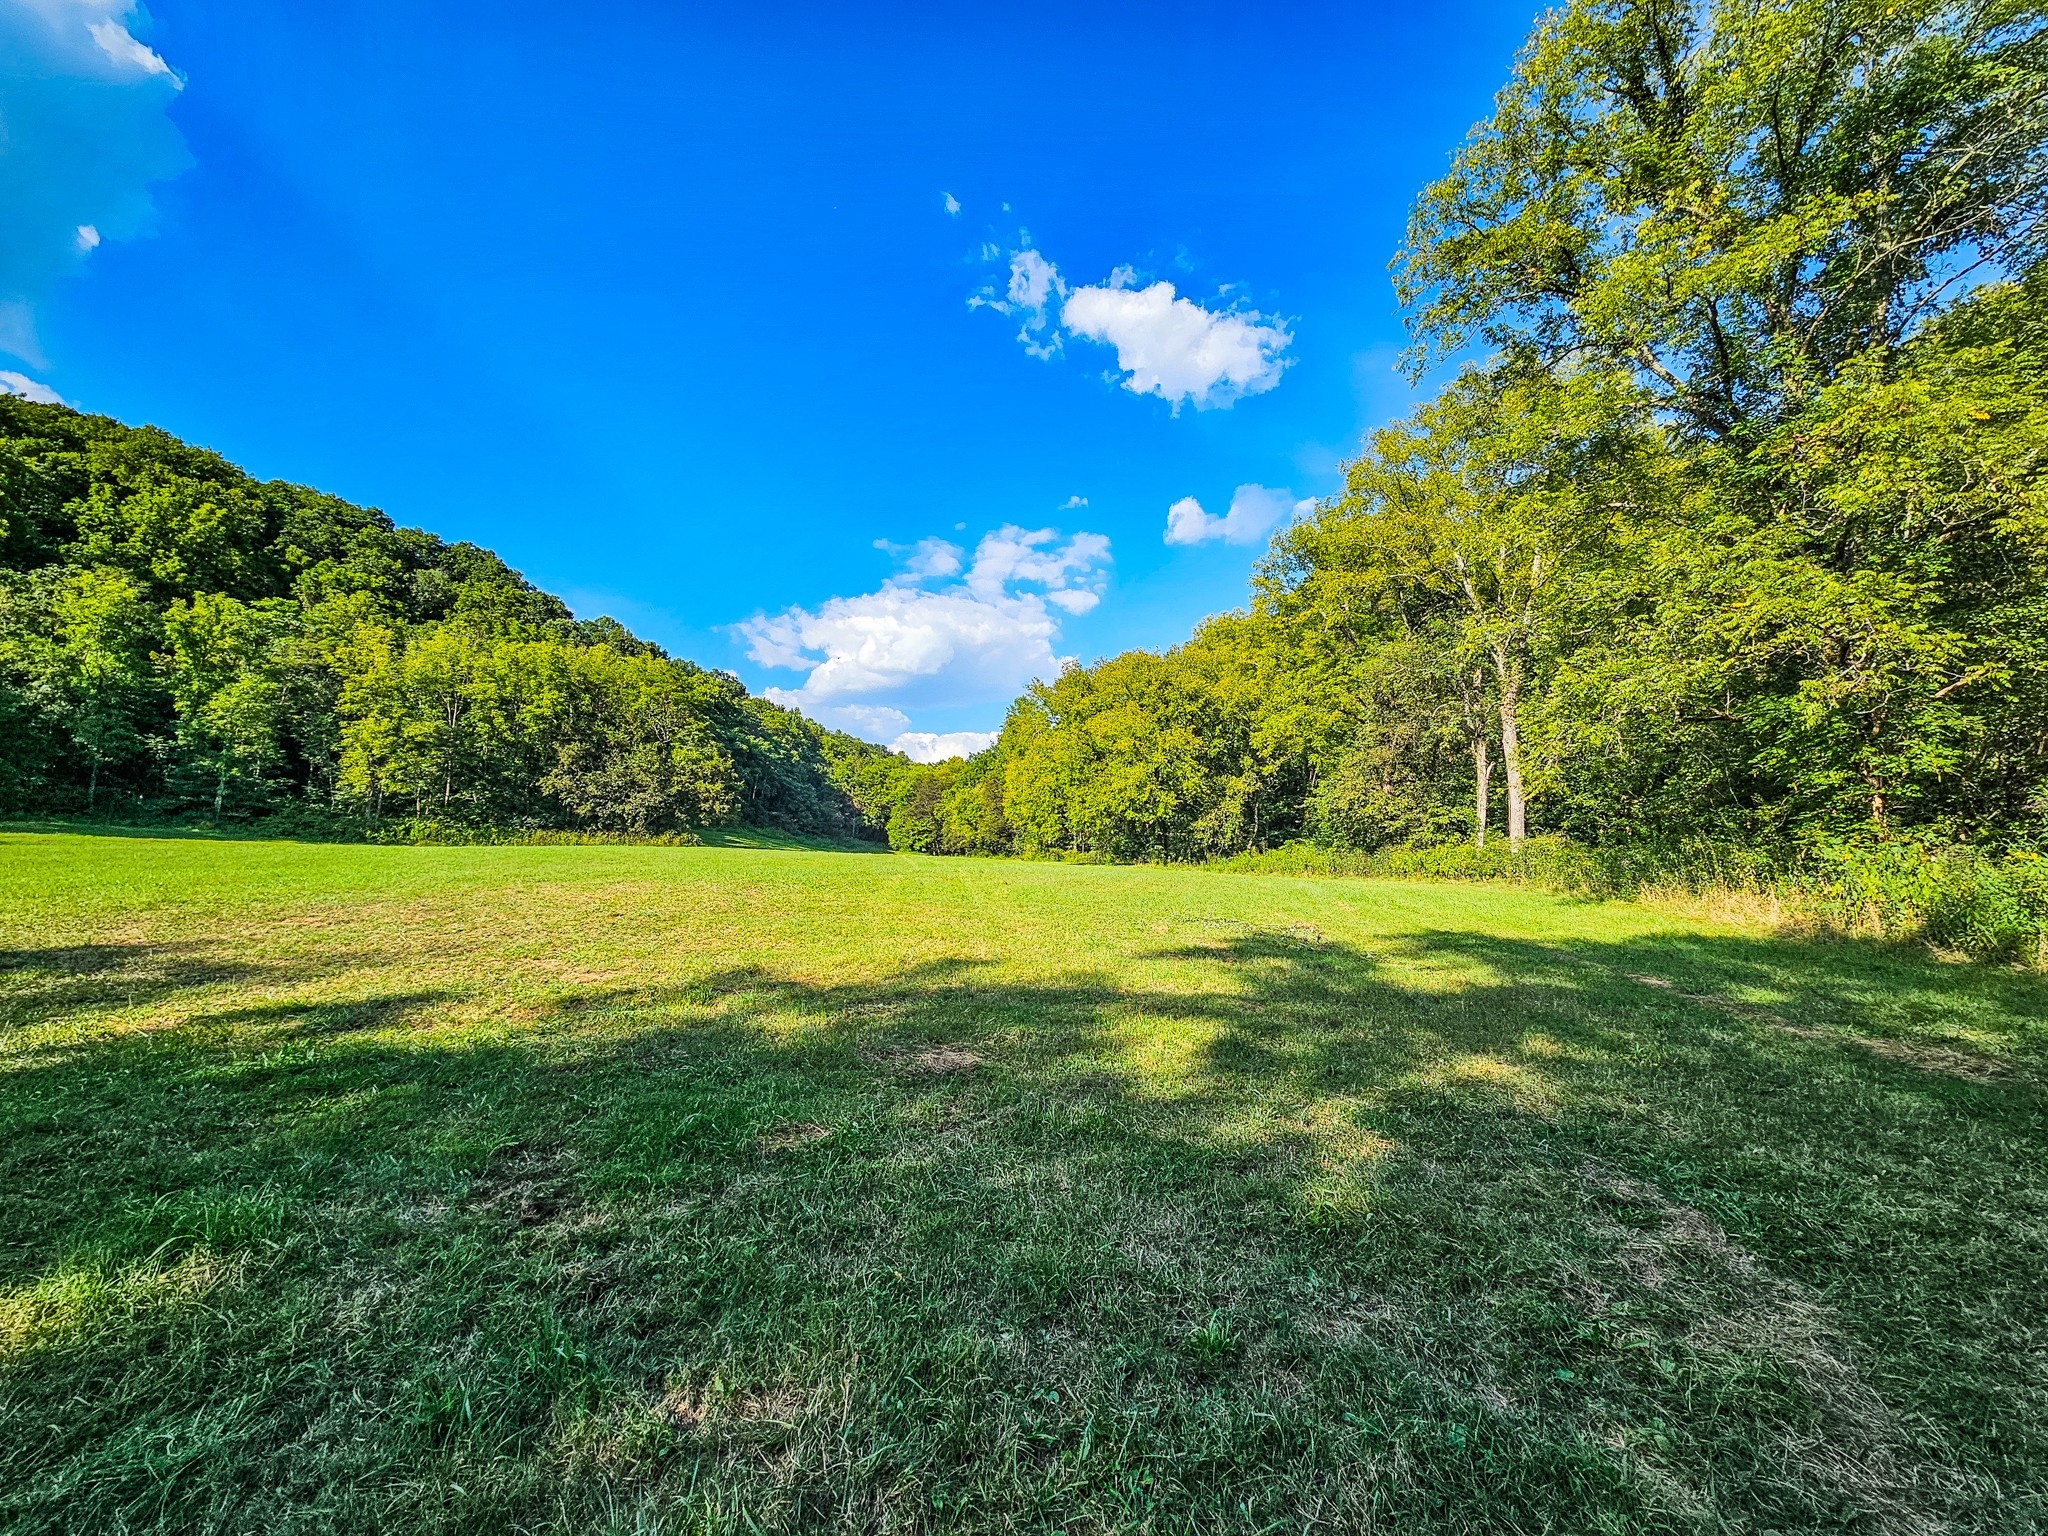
(1730, 525)
(177, 638)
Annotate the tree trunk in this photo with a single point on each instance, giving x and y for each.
(220, 790)
(92, 789)
(1511, 758)
(1472, 695)
(1482, 781)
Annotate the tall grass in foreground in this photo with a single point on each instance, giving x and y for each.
(1954, 898)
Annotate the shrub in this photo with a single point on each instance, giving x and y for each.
(425, 832)
(1543, 860)
(1957, 898)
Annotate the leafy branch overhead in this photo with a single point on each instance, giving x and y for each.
(1730, 203)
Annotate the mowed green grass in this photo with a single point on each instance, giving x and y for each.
(725, 1189)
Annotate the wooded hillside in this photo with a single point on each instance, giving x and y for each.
(176, 636)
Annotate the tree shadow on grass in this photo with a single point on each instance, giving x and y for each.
(337, 1018)
(160, 832)
(37, 985)
(1462, 1233)
(1837, 1118)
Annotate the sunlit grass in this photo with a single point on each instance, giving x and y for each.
(728, 1188)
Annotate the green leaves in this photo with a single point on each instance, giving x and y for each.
(95, 665)
(1730, 203)
(192, 640)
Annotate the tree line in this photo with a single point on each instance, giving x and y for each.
(177, 637)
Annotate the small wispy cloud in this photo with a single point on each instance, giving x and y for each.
(950, 203)
(1029, 297)
(926, 559)
(120, 45)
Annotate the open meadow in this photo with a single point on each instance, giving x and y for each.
(351, 1188)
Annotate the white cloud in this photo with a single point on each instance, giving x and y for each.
(952, 203)
(84, 131)
(1174, 348)
(1187, 523)
(880, 723)
(1033, 286)
(119, 45)
(930, 747)
(1072, 502)
(1255, 511)
(1011, 555)
(886, 641)
(929, 558)
(1033, 280)
(938, 633)
(1165, 345)
(29, 389)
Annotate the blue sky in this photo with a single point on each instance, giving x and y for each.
(883, 355)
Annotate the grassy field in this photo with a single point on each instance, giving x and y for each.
(726, 1189)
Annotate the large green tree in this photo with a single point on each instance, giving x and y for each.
(1463, 537)
(97, 666)
(220, 661)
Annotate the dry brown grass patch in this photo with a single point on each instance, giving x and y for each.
(792, 1133)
